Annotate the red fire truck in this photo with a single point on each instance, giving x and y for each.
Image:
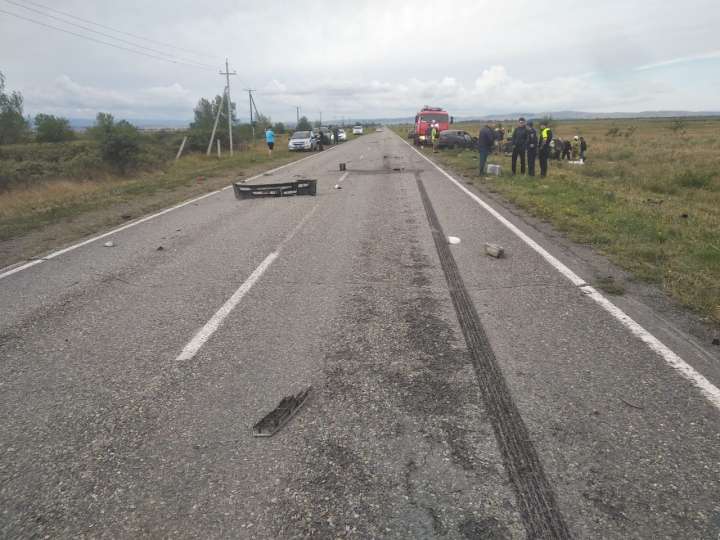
(427, 116)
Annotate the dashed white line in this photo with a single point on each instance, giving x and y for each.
(707, 389)
(15, 269)
(206, 332)
(344, 176)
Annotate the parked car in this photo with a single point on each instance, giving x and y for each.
(357, 130)
(326, 134)
(455, 138)
(342, 135)
(303, 140)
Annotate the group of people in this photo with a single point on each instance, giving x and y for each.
(527, 142)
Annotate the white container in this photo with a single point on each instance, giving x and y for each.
(495, 170)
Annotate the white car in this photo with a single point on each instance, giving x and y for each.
(357, 130)
(302, 140)
(342, 135)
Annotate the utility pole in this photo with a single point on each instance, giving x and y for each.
(297, 111)
(227, 74)
(217, 117)
(250, 100)
(321, 118)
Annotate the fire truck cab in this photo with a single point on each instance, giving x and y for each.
(425, 118)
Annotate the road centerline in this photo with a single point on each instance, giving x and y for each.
(210, 327)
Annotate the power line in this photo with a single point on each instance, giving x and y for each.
(104, 34)
(115, 30)
(165, 59)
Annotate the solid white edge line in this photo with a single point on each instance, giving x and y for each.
(708, 390)
(206, 332)
(25, 266)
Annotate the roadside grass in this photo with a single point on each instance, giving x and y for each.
(649, 201)
(31, 206)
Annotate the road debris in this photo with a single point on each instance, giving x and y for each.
(338, 186)
(159, 248)
(306, 186)
(495, 170)
(493, 250)
(281, 415)
(342, 166)
(109, 244)
(453, 240)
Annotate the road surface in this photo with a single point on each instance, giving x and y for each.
(454, 395)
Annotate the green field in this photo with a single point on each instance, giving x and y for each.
(648, 198)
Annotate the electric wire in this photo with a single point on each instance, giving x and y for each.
(36, 4)
(163, 58)
(88, 29)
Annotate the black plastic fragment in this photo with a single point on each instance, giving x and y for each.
(307, 186)
(281, 415)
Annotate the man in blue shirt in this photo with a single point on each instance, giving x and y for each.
(270, 140)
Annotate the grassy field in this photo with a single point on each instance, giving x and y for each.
(95, 199)
(648, 198)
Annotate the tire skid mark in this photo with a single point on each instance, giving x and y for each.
(535, 494)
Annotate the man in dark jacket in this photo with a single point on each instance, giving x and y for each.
(532, 145)
(519, 144)
(486, 141)
(566, 149)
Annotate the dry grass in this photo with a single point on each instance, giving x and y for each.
(28, 207)
(649, 200)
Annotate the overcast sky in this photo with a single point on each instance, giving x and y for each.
(365, 58)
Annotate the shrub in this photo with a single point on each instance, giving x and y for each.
(52, 129)
(119, 142)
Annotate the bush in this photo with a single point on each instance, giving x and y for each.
(119, 142)
(52, 129)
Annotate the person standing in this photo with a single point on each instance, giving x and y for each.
(519, 144)
(434, 136)
(566, 149)
(486, 141)
(532, 145)
(336, 134)
(546, 137)
(270, 140)
(583, 149)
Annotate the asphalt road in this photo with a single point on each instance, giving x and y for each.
(131, 377)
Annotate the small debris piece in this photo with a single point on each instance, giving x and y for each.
(632, 404)
(494, 250)
(453, 240)
(126, 216)
(716, 341)
(200, 179)
(397, 169)
(160, 248)
(338, 186)
(281, 415)
(685, 216)
(493, 169)
(109, 244)
(342, 166)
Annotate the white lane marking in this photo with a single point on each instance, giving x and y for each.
(25, 266)
(344, 176)
(206, 332)
(707, 389)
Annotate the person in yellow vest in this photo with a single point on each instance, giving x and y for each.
(575, 148)
(546, 136)
(435, 136)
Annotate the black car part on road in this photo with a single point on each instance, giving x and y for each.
(305, 186)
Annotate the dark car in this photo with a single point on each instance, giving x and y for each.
(455, 138)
